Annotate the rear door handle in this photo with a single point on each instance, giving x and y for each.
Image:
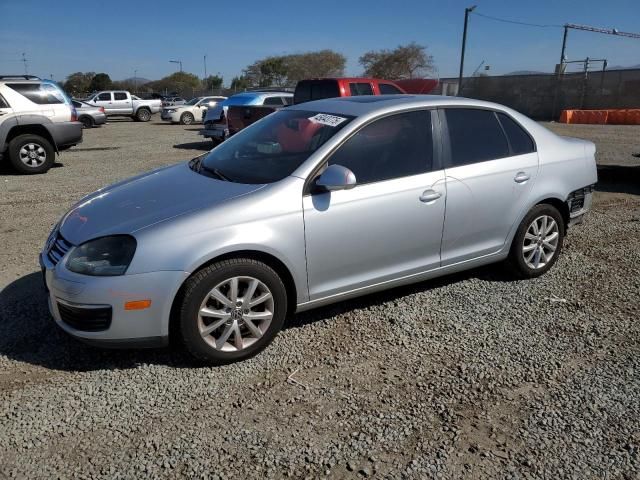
(521, 177)
(430, 196)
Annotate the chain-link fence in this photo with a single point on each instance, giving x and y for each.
(543, 97)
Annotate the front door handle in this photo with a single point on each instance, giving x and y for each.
(430, 196)
(521, 177)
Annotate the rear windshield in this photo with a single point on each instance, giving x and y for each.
(307, 90)
(273, 147)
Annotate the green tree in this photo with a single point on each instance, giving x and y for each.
(239, 83)
(78, 83)
(100, 81)
(405, 61)
(176, 82)
(212, 82)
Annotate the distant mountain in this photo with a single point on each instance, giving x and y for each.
(526, 72)
(138, 80)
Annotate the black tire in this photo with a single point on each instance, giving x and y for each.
(516, 260)
(197, 290)
(186, 118)
(143, 115)
(41, 146)
(87, 121)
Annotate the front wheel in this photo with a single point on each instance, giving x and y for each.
(537, 242)
(143, 115)
(232, 310)
(31, 154)
(186, 118)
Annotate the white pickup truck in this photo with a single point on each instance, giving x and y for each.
(120, 103)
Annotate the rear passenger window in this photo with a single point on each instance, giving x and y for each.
(392, 147)
(119, 96)
(287, 100)
(3, 103)
(388, 89)
(40, 93)
(519, 140)
(360, 89)
(475, 135)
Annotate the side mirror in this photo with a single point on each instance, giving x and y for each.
(336, 177)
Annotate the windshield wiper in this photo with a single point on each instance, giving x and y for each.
(215, 172)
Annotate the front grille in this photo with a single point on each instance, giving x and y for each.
(85, 319)
(58, 249)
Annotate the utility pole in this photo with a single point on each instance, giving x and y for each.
(135, 81)
(464, 45)
(177, 61)
(205, 66)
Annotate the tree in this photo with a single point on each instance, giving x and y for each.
(287, 70)
(176, 82)
(239, 83)
(100, 81)
(78, 83)
(408, 61)
(212, 82)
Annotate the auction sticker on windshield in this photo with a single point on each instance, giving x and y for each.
(326, 119)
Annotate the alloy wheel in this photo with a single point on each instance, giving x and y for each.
(32, 154)
(540, 242)
(235, 313)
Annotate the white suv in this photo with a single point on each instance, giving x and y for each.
(37, 120)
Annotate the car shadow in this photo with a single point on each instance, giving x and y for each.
(28, 333)
(619, 179)
(8, 170)
(202, 146)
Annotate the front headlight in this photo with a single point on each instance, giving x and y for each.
(106, 256)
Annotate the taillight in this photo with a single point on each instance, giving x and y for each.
(102, 109)
(74, 114)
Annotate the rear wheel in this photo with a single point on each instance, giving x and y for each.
(31, 154)
(143, 115)
(87, 122)
(537, 242)
(186, 118)
(232, 310)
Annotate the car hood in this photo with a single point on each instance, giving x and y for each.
(139, 202)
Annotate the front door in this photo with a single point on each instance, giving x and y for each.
(105, 100)
(491, 169)
(390, 224)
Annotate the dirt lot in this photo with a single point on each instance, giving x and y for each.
(469, 376)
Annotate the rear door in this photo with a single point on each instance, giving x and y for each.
(491, 167)
(390, 224)
(121, 103)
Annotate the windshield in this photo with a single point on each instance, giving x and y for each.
(241, 100)
(193, 101)
(273, 147)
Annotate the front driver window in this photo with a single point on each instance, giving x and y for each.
(395, 146)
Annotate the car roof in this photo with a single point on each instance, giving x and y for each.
(369, 104)
(263, 94)
(348, 79)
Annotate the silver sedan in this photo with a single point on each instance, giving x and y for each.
(311, 205)
(89, 115)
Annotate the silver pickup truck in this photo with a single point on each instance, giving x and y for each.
(121, 103)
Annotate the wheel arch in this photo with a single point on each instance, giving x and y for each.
(31, 129)
(268, 259)
(561, 206)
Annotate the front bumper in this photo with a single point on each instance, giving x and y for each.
(171, 117)
(125, 328)
(579, 203)
(219, 133)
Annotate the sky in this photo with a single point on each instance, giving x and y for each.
(123, 37)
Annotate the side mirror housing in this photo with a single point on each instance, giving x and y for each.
(336, 177)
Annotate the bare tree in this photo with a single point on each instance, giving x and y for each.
(405, 61)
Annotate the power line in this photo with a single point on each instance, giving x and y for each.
(505, 20)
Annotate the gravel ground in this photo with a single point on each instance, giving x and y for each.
(469, 376)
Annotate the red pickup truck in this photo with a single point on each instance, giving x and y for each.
(318, 88)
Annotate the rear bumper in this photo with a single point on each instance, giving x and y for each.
(66, 134)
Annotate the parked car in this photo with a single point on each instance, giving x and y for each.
(168, 101)
(121, 103)
(239, 117)
(37, 120)
(89, 115)
(215, 122)
(192, 111)
(316, 203)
